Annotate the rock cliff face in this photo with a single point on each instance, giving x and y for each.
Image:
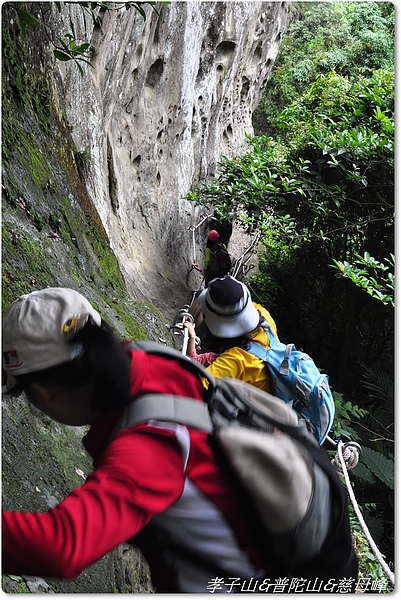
(168, 96)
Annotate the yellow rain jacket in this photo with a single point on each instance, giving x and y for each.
(240, 364)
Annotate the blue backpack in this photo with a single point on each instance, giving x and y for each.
(298, 381)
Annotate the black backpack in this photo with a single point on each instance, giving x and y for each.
(290, 489)
(220, 262)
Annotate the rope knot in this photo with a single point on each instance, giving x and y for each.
(350, 453)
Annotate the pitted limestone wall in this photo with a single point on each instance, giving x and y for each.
(168, 96)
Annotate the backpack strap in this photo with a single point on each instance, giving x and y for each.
(166, 407)
(273, 339)
(261, 352)
(169, 407)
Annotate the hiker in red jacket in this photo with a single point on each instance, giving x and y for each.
(157, 484)
(153, 481)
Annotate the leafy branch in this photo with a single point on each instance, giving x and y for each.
(68, 48)
(345, 410)
(374, 277)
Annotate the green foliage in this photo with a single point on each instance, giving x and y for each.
(369, 567)
(322, 37)
(375, 467)
(332, 171)
(25, 18)
(344, 115)
(345, 412)
(257, 183)
(380, 466)
(72, 51)
(379, 385)
(378, 463)
(372, 467)
(371, 275)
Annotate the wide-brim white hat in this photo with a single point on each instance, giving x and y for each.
(38, 328)
(227, 308)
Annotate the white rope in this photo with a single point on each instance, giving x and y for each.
(375, 549)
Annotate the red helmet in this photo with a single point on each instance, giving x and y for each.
(214, 236)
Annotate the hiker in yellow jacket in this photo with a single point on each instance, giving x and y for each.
(232, 322)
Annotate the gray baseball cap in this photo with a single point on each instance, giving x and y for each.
(38, 328)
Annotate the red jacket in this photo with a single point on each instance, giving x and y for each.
(163, 474)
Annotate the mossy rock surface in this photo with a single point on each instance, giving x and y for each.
(53, 236)
(42, 462)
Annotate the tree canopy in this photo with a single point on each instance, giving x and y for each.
(325, 36)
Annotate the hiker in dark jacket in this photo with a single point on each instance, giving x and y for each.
(217, 261)
(223, 226)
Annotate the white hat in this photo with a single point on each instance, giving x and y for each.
(37, 328)
(227, 308)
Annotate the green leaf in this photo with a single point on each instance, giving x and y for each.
(62, 42)
(140, 10)
(363, 473)
(80, 49)
(26, 17)
(62, 56)
(80, 68)
(380, 466)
